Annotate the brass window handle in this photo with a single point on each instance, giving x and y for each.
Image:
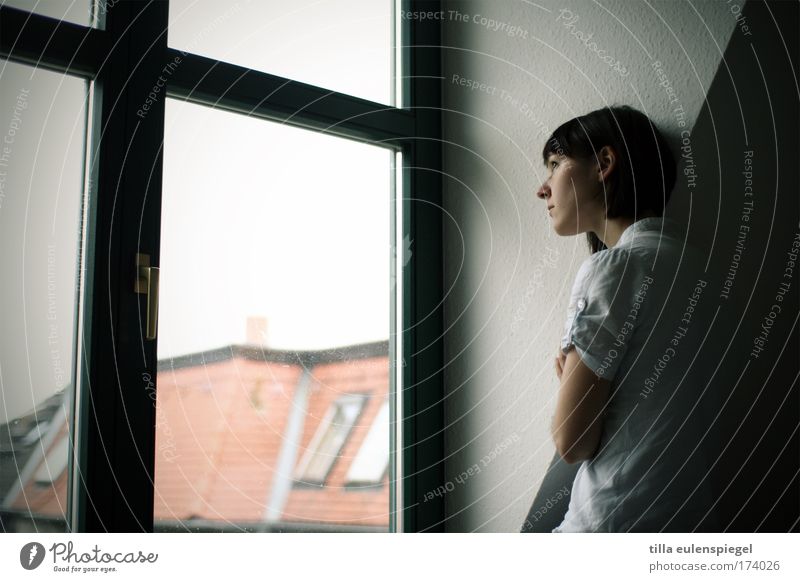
(147, 284)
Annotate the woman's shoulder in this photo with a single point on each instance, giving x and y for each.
(621, 271)
(642, 254)
(616, 261)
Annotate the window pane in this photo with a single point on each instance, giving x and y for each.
(274, 321)
(372, 459)
(43, 124)
(343, 45)
(75, 11)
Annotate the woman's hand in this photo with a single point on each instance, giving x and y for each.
(561, 357)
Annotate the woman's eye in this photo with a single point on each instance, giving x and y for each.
(553, 164)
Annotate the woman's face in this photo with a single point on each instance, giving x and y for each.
(574, 195)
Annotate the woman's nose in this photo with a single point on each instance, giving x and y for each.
(544, 191)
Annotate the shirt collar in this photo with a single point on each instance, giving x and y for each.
(651, 223)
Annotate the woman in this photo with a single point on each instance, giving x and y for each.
(629, 406)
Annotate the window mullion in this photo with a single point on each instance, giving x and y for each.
(258, 94)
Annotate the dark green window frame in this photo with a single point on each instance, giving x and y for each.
(115, 415)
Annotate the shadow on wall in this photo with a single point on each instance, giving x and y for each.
(744, 210)
(737, 189)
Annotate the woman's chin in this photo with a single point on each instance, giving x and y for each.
(561, 230)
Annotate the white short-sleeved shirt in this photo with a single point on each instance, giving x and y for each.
(637, 316)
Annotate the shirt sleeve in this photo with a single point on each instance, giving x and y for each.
(605, 308)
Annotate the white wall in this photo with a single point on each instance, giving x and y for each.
(510, 275)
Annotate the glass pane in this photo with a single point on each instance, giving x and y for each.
(75, 11)
(343, 45)
(328, 440)
(42, 127)
(372, 459)
(274, 321)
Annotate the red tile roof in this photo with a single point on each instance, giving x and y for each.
(220, 431)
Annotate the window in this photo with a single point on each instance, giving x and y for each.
(100, 164)
(42, 162)
(302, 261)
(328, 440)
(369, 465)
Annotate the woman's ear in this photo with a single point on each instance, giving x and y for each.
(606, 162)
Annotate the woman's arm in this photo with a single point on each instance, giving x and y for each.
(578, 422)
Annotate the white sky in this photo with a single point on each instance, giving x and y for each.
(343, 45)
(263, 219)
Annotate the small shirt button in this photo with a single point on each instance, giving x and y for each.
(581, 303)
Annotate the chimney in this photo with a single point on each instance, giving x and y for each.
(256, 330)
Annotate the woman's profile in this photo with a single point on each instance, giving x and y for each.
(629, 405)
